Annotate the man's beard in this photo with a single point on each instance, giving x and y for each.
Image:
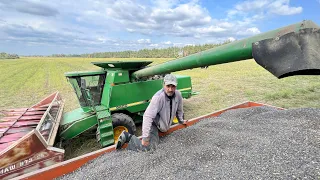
(169, 93)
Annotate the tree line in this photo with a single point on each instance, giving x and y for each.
(8, 56)
(170, 52)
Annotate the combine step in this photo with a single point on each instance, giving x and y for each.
(105, 129)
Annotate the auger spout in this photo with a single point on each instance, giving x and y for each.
(286, 51)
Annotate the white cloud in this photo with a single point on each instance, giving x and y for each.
(102, 39)
(106, 24)
(130, 30)
(282, 8)
(231, 39)
(263, 7)
(165, 4)
(253, 30)
(210, 29)
(144, 41)
(184, 15)
(162, 19)
(249, 31)
(226, 24)
(29, 7)
(251, 5)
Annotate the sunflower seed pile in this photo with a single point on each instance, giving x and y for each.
(250, 143)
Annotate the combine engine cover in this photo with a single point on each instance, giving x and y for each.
(27, 136)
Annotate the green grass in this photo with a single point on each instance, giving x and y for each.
(26, 81)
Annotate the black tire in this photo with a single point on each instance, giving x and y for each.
(120, 119)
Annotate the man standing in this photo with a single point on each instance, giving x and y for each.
(163, 107)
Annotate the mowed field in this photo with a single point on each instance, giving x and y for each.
(26, 81)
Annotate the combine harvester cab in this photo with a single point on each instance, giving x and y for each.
(27, 136)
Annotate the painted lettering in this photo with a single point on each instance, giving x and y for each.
(12, 167)
(21, 163)
(122, 106)
(7, 169)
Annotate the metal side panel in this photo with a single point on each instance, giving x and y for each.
(29, 151)
(135, 97)
(77, 127)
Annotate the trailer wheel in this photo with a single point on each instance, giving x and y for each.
(122, 122)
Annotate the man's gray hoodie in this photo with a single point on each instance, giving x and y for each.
(158, 112)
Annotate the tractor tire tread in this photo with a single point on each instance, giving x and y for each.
(119, 118)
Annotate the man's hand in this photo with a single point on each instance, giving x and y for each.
(144, 143)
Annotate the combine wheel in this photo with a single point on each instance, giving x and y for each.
(122, 122)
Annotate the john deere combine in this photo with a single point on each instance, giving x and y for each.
(114, 98)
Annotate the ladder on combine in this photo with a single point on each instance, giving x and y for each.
(105, 129)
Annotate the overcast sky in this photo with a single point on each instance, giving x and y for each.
(37, 27)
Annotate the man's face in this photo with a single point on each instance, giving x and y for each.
(169, 89)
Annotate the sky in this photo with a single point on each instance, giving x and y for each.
(37, 27)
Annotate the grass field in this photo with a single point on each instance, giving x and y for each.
(25, 81)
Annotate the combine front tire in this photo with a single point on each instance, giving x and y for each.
(122, 122)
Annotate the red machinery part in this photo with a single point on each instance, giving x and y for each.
(27, 136)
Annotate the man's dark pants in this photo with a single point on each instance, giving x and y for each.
(136, 145)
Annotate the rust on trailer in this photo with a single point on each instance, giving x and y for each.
(65, 167)
(71, 165)
(27, 136)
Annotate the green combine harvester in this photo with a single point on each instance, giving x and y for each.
(114, 98)
(111, 99)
